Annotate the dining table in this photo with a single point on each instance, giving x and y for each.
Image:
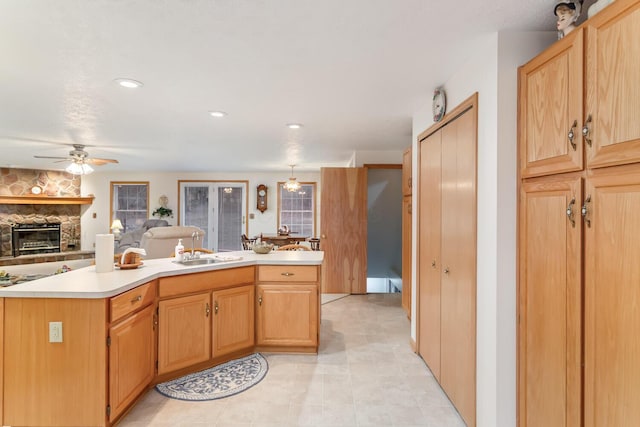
(282, 239)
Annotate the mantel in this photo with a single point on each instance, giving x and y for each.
(45, 200)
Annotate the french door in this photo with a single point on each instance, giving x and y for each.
(217, 207)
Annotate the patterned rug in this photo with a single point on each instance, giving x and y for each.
(220, 381)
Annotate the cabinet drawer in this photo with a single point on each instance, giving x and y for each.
(205, 281)
(287, 273)
(130, 301)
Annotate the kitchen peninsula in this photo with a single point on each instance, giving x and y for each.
(82, 347)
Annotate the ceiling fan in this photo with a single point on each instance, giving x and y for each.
(80, 160)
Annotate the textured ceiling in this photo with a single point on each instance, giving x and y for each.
(352, 71)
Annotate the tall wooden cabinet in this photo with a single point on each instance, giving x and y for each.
(406, 230)
(447, 255)
(579, 218)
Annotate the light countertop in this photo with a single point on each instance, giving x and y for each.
(86, 283)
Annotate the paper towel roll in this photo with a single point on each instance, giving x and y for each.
(104, 253)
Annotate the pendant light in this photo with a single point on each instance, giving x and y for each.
(292, 185)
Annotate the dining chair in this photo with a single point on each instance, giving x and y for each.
(247, 243)
(293, 247)
(315, 243)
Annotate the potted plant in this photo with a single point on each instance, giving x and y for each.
(161, 212)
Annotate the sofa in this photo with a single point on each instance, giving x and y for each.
(131, 239)
(160, 242)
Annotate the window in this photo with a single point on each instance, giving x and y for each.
(297, 210)
(130, 204)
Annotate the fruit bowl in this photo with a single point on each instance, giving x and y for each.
(262, 248)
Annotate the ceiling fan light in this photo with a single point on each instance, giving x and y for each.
(79, 168)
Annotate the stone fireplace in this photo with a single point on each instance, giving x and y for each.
(45, 209)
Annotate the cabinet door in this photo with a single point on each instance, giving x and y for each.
(287, 315)
(612, 299)
(406, 254)
(458, 266)
(131, 359)
(613, 92)
(233, 320)
(549, 301)
(550, 95)
(184, 332)
(406, 173)
(429, 226)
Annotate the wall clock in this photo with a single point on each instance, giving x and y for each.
(439, 104)
(262, 198)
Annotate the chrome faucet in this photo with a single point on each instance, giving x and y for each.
(194, 236)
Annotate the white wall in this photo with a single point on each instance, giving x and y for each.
(167, 183)
(491, 72)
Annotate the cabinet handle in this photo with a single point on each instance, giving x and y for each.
(571, 135)
(433, 264)
(216, 308)
(446, 270)
(260, 300)
(570, 212)
(136, 299)
(208, 310)
(585, 211)
(586, 131)
(287, 274)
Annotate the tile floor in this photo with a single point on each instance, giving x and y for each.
(364, 375)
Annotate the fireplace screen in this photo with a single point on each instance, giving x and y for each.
(27, 239)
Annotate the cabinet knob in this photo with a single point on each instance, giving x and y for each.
(207, 310)
(571, 135)
(260, 300)
(586, 131)
(585, 211)
(433, 264)
(216, 308)
(287, 274)
(136, 299)
(446, 270)
(570, 212)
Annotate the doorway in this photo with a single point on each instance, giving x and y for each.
(217, 207)
(384, 228)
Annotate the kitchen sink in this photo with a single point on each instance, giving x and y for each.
(197, 261)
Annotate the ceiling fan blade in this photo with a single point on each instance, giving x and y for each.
(100, 162)
(52, 157)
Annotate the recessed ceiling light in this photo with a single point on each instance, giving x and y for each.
(294, 125)
(129, 83)
(217, 113)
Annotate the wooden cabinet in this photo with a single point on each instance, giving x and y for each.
(131, 359)
(406, 254)
(406, 231)
(287, 315)
(233, 320)
(551, 109)
(447, 255)
(550, 299)
(407, 173)
(612, 313)
(204, 316)
(579, 320)
(184, 331)
(287, 307)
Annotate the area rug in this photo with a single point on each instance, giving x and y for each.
(220, 381)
